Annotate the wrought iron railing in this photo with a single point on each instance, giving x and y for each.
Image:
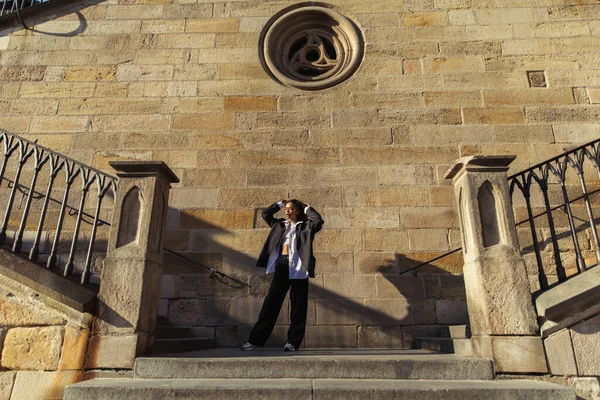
(554, 179)
(60, 178)
(60, 175)
(567, 173)
(15, 6)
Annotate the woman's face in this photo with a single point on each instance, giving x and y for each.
(290, 211)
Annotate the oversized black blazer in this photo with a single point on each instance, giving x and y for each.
(305, 233)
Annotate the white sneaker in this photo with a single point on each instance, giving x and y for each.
(247, 346)
(288, 347)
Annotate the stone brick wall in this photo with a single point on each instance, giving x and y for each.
(181, 81)
(42, 349)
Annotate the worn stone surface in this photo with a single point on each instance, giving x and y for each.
(585, 336)
(512, 354)
(560, 354)
(111, 352)
(7, 380)
(74, 349)
(37, 348)
(44, 385)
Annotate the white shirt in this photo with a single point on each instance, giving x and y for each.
(296, 268)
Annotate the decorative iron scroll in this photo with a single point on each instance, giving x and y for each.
(58, 176)
(311, 47)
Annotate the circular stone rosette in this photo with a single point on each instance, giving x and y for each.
(311, 48)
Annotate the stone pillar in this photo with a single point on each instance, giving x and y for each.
(503, 320)
(130, 281)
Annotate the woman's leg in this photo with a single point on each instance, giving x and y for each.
(270, 309)
(299, 304)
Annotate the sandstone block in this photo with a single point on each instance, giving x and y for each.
(110, 106)
(489, 32)
(214, 178)
(423, 311)
(375, 263)
(462, 17)
(200, 72)
(395, 312)
(44, 385)
(328, 263)
(212, 25)
(441, 116)
(493, 115)
(224, 55)
(514, 353)
(488, 48)
(245, 240)
(32, 348)
(178, 41)
(21, 73)
(430, 18)
(126, 72)
(594, 95)
(246, 198)
(408, 287)
(452, 287)
(127, 123)
(488, 80)
(452, 312)
(134, 12)
(560, 355)
(163, 26)
(187, 312)
(585, 336)
(7, 380)
(320, 197)
(56, 90)
(194, 198)
(206, 219)
(407, 175)
(73, 349)
(228, 336)
(16, 312)
(244, 311)
(452, 98)
(453, 65)
(331, 336)
(195, 122)
(495, 16)
(436, 32)
(527, 46)
(524, 97)
(237, 104)
(240, 71)
(378, 337)
(428, 239)
(390, 155)
(385, 239)
(339, 311)
(375, 218)
(91, 73)
(432, 217)
(349, 286)
(240, 39)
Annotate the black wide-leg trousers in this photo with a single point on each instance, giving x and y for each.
(273, 302)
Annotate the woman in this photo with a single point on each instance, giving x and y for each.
(287, 253)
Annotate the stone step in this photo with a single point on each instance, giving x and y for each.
(459, 331)
(180, 345)
(313, 364)
(307, 389)
(172, 332)
(460, 347)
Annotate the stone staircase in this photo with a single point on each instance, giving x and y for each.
(314, 374)
(456, 341)
(178, 339)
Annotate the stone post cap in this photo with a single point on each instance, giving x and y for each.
(134, 169)
(479, 163)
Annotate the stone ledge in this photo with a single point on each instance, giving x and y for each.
(569, 302)
(47, 283)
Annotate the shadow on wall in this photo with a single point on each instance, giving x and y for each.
(380, 309)
(45, 12)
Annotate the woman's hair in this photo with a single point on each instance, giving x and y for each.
(300, 208)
